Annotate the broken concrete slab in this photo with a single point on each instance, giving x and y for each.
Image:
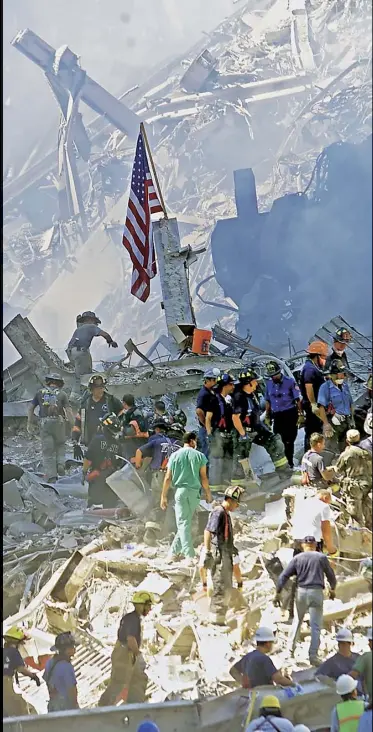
(12, 494)
(76, 573)
(16, 409)
(181, 643)
(11, 517)
(24, 528)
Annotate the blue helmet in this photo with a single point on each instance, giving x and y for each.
(148, 726)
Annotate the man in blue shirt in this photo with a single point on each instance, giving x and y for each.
(205, 403)
(335, 408)
(283, 406)
(311, 378)
(341, 662)
(60, 676)
(257, 668)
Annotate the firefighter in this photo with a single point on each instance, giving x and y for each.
(334, 401)
(135, 427)
(219, 428)
(128, 679)
(204, 399)
(218, 552)
(283, 406)
(14, 704)
(94, 405)
(159, 448)
(80, 342)
(60, 676)
(249, 429)
(354, 470)
(311, 378)
(54, 411)
(101, 460)
(160, 412)
(341, 339)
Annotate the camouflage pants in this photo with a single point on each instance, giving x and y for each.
(356, 494)
(337, 443)
(128, 680)
(221, 573)
(53, 437)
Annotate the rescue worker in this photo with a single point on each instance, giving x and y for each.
(314, 472)
(256, 668)
(54, 411)
(309, 567)
(354, 471)
(94, 405)
(101, 460)
(237, 574)
(363, 668)
(186, 472)
(205, 398)
(283, 406)
(128, 680)
(334, 401)
(270, 717)
(219, 550)
(158, 449)
(59, 675)
(341, 662)
(310, 380)
(160, 412)
(135, 427)
(341, 339)
(364, 406)
(219, 428)
(249, 429)
(80, 342)
(312, 517)
(366, 444)
(345, 715)
(14, 704)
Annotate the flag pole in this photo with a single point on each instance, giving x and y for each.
(156, 181)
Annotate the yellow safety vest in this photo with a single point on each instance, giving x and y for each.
(349, 713)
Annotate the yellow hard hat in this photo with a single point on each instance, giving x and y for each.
(141, 597)
(15, 633)
(270, 702)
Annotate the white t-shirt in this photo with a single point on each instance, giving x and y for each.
(308, 517)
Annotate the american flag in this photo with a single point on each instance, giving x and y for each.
(138, 233)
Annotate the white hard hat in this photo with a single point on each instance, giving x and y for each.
(345, 684)
(264, 635)
(301, 728)
(344, 635)
(369, 634)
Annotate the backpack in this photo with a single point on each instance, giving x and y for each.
(49, 402)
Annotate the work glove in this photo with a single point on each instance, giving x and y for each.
(113, 344)
(328, 430)
(315, 409)
(35, 678)
(277, 600)
(208, 562)
(78, 452)
(331, 594)
(301, 421)
(243, 438)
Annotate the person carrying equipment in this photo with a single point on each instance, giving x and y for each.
(80, 342)
(101, 460)
(219, 428)
(310, 380)
(218, 552)
(60, 676)
(14, 704)
(249, 429)
(128, 680)
(94, 405)
(283, 406)
(54, 411)
(335, 405)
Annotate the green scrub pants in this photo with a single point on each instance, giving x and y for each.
(186, 503)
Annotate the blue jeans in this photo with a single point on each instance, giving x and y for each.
(308, 600)
(203, 445)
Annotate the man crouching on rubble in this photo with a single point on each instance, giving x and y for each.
(128, 679)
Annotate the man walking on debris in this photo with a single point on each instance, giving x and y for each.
(257, 668)
(218, 552)
(205, 400)
(311, 378)
(14, 704)
(309, 567)
(135, 427)
(54, 411)
(335, 408)
(341, 662)
(186, 472)
(80, 342)
(283, 406)
(128, 680)
(94, 406)
(219, 428)
(60, 676)
(100, 461)
(249, 429)
(159, 449)
(354, 471)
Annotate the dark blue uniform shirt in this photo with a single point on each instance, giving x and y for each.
(282, 395)
(206, 400)
(310, 374)
(258, 667)
(159, 448)
(12, 660)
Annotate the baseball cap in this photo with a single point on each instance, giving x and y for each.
(309, 540)
(344, 634)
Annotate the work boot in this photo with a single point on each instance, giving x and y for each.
(315, 661)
